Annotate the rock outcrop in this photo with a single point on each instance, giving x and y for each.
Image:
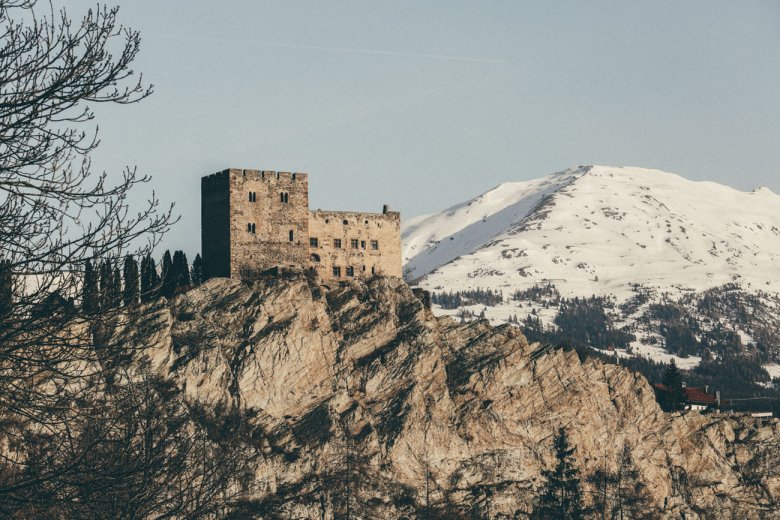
(359, 399)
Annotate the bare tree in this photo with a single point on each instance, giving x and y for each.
(55, 214)
(135, 452)
(77, 430)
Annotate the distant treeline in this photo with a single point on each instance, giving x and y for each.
(580, 322)
(457, 299)
(547, 294)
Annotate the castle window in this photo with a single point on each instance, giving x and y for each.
(354, 243)
(375, 244)
(337, 243)
(284, 197)
(292, 235)
(366, 222)
(373, 270)
(252, 196)
(313, 242)
(250, 228)
(315, 258)
(336, 271)
(362, 244)
(345, 222)
(350, 271)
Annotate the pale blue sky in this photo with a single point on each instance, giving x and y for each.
(425, 104)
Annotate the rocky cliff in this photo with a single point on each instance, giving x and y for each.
(358, 399)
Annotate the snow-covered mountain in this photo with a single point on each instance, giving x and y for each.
(599, 230)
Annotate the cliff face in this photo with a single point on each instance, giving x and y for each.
(360, 398)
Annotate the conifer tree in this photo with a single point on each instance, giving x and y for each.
(105, 285)
(675, 396)
(91, 302)
(116, 287)
(602, 481)
(146, 281)
(181, 270)
(168, 288)
(130, 273)
(154, 280)
(561, 496)
(632, 499)
(197, 271)
(6, 288)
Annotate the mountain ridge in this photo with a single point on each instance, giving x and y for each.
(611, 232)
(435, 240)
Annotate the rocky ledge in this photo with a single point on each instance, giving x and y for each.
(359, 399)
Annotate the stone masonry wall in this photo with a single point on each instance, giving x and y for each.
(280, 227)
(370, 243)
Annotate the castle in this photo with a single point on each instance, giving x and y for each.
(253, 220)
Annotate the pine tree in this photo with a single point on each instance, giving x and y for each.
(91, 301)
(6, 288)
(675, 396)
(130, 273)
(561, 496)
(602, 481)
(197, 271)
(181, 270)
(632, 499)
(168, 288)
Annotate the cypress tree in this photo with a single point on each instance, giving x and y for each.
(675, 396)
(561, 496)
(154, 279)
(116, 288)
(197, 270)
(105, 285)
(146, 282)
(181, 270)
(91, 293)
(6, 288)
(130, 273)
(168, 288)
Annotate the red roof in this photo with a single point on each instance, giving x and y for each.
(697, 395)
(693, 395)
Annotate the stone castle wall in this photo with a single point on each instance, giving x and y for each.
(357, 244)
(253, 220)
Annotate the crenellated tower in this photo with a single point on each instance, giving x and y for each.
(252, 220)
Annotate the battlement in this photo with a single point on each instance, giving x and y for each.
(257, 175)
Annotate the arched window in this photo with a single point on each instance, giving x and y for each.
(250, 228)
(252, 196)
(315, 258)
(284, 197)
(253, 229)
(292, 235)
